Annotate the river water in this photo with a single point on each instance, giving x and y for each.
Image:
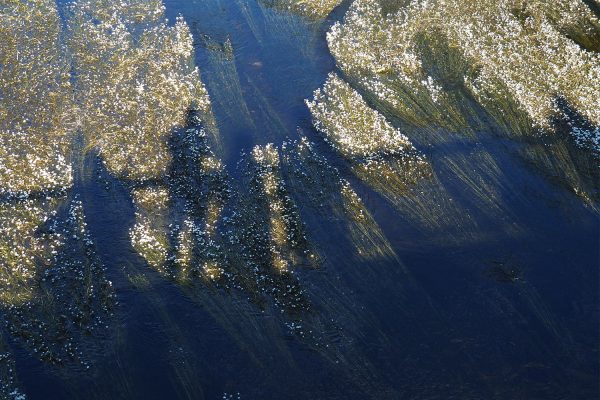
(479, 283)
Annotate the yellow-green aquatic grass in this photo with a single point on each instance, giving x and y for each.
(352, 127)
(316, 9)
(23, 249)
(369, 240)
(36, 110)
(515, 58)
(149, 234)
(225, 78)
(136, 80)
(54, 290)
(176, 221)
(318, 184)
(284, 224)
(378, 153)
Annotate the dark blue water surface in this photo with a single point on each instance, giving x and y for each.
(503, 307)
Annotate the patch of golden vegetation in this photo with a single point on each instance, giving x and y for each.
(36, 110)
(515, 58)
(378, 153)
(136, 80)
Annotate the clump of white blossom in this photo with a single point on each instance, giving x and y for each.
(515, 58)
(23, 249)
(362, 135)
(35, 105)
(136, 80)
(352, 127)
(176, 222)
(149, 234)
(284, 224)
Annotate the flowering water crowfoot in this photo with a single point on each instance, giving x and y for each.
(378, 152)
(269, 234)
(136, 79)
(55, 293)
(35, 105)
(514, 58)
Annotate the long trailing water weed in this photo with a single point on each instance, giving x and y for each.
(316, 9)
(55, 295)
(318, 183)
(379, 153)
(516, 59)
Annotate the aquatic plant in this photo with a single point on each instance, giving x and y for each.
(317, 9)
(9, 389)
(36, 111)
(515, 58)
(319, 184)
(136, 80)
(54, 291)
(176, 221)
(269, 233)
(379, 153)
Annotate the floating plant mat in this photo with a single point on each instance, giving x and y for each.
(332, 200)
(428, 79)
(35, 106)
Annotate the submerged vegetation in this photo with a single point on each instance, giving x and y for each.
(379, 153)
(316, 9)
(36, 118)
(417, 83)
(515, 58)
(331, 197)
(55, 298)
(136, 82)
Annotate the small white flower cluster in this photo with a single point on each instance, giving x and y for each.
(283, 220)
(136, 80)
(267, 234)
(22, 249)
(378, 153)
(587, 138)
(514, 57)
(353, 128)
(176, 227)
(149, 235)
(35, 107)
(316, 9)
